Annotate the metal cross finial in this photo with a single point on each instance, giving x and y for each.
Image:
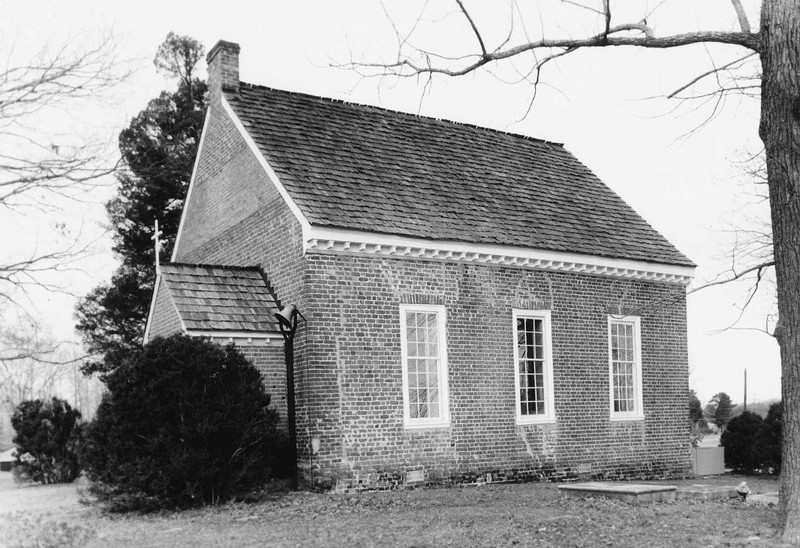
(155, 238)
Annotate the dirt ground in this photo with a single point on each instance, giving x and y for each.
(532, 514)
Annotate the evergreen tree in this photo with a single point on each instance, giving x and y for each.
(158, 149)
(695, 407)
(48, 434)
(724, 410)
(769, 441)
(184, 423)
(739, 441)
(719, 409)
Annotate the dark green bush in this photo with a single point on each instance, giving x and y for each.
(48, 438)
(769, 440)
(739, 441)
(184, 423)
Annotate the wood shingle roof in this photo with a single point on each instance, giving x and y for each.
(221, 298)
(365, 168)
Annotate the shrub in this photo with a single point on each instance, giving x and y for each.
(769, 440)
(184, 423)
(739, 441)
(48, 437)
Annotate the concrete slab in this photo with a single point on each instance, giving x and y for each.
(629, 492)
(763, 498)
(701, 491)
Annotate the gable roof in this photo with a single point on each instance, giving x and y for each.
(221, 298)
(365, 168)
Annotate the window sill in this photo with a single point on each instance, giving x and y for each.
(534, 421)
(624, 418)
(427, 425)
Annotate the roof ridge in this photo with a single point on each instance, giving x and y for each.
(402, 113)
(254, 268)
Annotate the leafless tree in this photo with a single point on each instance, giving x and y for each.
(607, 24)
(40, 167)
(36, 367)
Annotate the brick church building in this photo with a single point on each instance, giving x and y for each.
(475, 303)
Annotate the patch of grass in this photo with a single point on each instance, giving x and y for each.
(532, 514)
(23, 530)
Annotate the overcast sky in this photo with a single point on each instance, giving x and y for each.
(683, 176)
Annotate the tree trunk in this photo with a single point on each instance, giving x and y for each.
(780, 132)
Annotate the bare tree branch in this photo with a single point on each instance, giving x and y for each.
(744, 24)
(39, 170)
(758, 269)
(33, 366)
(711, 72)
(472, 24)
(584, 7)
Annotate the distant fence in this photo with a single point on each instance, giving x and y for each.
(707, 461)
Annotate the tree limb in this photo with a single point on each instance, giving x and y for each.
(744, 24)
(635, 34)
(758, 269)
(715, 70)
(472, 24)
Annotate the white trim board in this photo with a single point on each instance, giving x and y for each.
(353, 242)
(252, 337)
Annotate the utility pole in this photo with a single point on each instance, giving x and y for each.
(745, 389)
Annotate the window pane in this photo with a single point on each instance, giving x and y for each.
(422, 363)
(623, 367)
(531, 365)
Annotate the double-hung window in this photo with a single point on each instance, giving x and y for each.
(534, 366)
(625, 367)
(424, 357)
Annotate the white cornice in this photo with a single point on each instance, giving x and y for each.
(353, 242)
(304, 224)
(264, 338)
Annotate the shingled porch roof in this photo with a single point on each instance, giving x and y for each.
(364, 168)
(221, 298)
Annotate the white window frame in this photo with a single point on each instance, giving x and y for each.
(444, 398)
(549, 415)
(638, 412)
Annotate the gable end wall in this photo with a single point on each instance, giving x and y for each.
(235, 216)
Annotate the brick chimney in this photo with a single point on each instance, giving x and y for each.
(223, 69)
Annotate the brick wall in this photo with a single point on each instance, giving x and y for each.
(354, 362)
(269, 361)
(165, 320)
